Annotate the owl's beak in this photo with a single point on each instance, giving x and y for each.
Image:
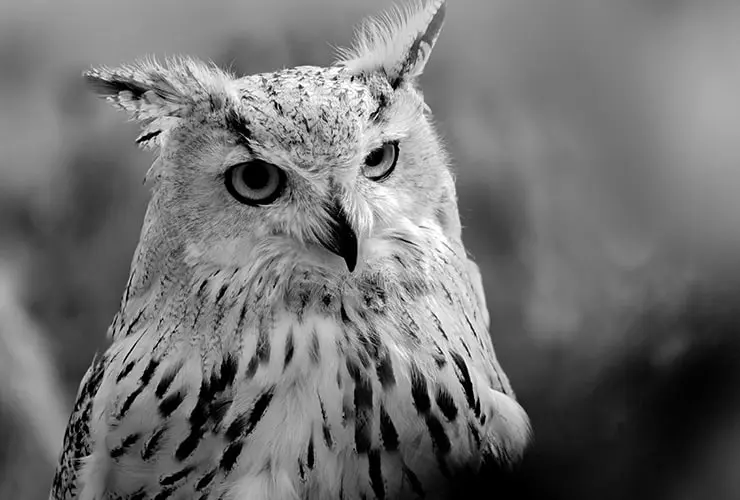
(341, 239)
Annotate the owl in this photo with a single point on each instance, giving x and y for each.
(301, 319)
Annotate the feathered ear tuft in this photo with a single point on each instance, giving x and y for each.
(398, 42)
(158, 95)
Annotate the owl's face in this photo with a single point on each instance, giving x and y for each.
(316, 166)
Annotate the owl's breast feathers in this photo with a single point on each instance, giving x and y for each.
(388, 385)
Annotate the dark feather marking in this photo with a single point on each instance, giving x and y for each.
(126, 406)
(474, 432)
(133, 323)
(464, 377)
(388, 432)
(384, 369)
(446, 404)
(310, 458)
(301, 470)
(470, 325)
(199, 294)
(166, 380)
(188, 445)
(126, 370)
(467, 350)
(343, 314)
(126, 443)
(416, 486)
(377, 115)
(126, 292)
(230, 456)
(237, 427)
(376, 475)
(147, 137)
(243, 425)
(176, 476)
(208, 405)
(171, 403)
(205, 480)
(251, 368)
(229, 367)
(146, 376)
(353, 370)
(259, 409)
(203, 284)
(328, 441)
(221, 310)
(363, 401)
(322, 408)
(151, 446)
(448, 294)
(139, 494)
(289, 348)
(162, 335)
(411, 327)
(439, 438)
(419, 391)
(197, 419)
(221, 292)
(438, 323)
(439, 356)
(164, 494)
(242, 315)
(327, 299)
(238, 124)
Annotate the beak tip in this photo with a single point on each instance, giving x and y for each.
(351, 262)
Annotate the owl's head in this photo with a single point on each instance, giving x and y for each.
(318, 166)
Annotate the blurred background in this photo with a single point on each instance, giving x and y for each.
(597, 149)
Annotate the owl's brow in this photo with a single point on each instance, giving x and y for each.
(237, 124)
(380, 112)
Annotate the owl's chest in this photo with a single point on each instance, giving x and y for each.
(327, 431)
(322, 404)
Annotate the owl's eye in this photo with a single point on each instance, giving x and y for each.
(379, 164)
(255, 182)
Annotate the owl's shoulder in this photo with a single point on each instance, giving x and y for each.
(77, 443)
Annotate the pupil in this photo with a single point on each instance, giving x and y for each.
(256, 177)
(375, 157)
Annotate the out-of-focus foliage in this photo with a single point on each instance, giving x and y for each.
(597, 155)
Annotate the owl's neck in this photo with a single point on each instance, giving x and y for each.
(213, 304)
(203, 300)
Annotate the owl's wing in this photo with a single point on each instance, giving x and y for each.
(77, 442)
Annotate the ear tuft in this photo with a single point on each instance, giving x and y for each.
(155, 95)
(398, 43)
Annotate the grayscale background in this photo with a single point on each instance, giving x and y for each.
(597, 151)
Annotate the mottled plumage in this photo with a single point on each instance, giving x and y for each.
(327, 340)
